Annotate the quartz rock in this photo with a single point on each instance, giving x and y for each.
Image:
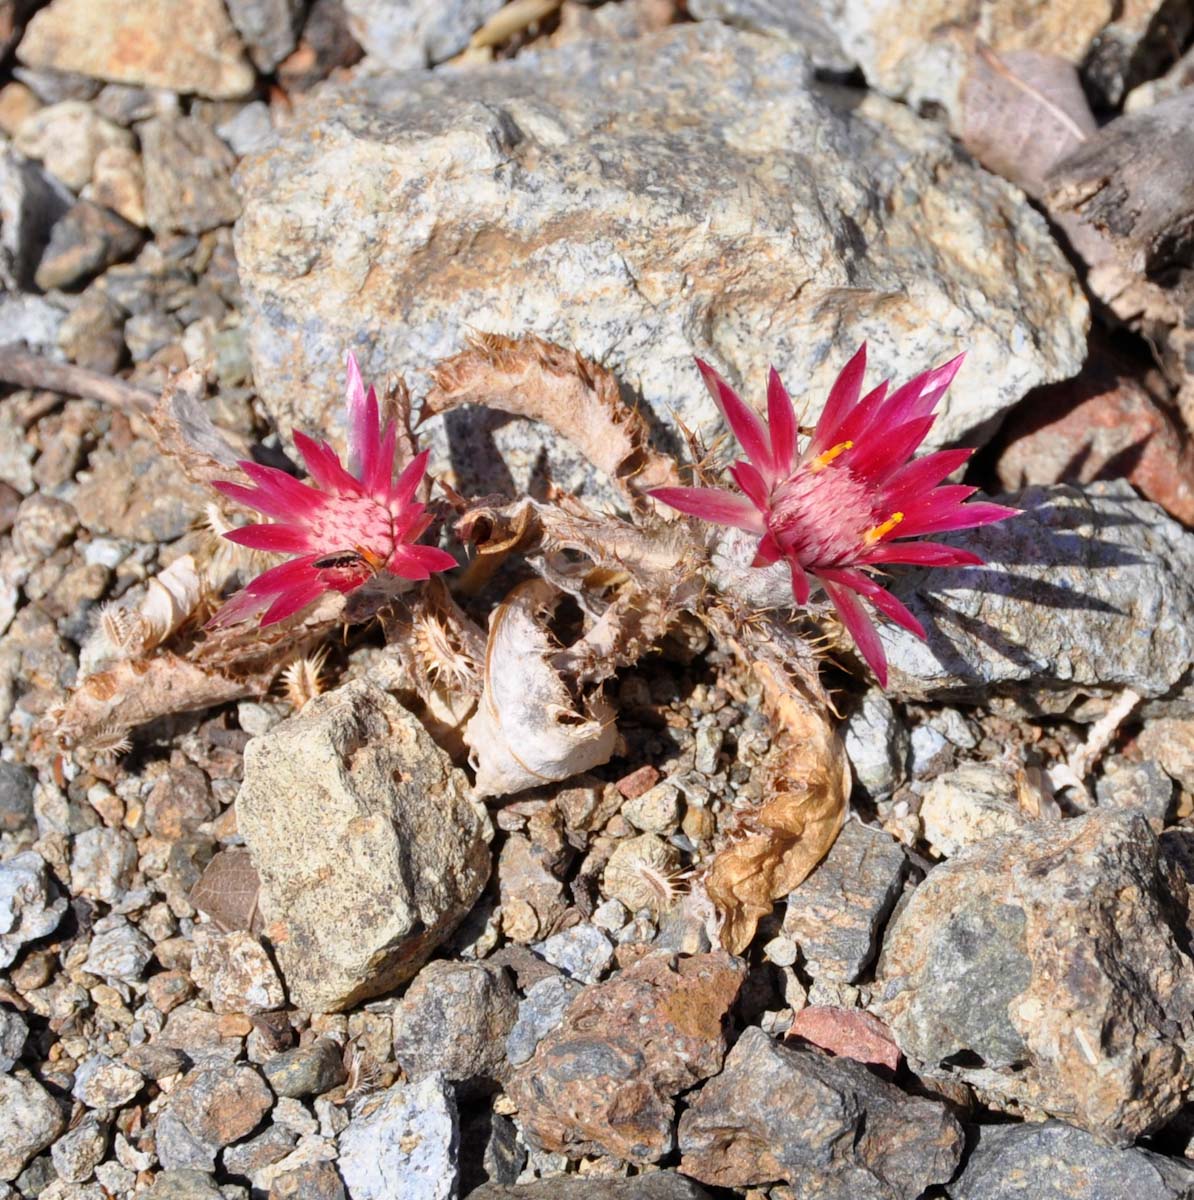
(188, 176)
(601, 235)
(606, 1079)
(877, 745)
(270, 28)
(118, 950)
(66, 138)
(826, 1124)
(538, 1014)
(13, 1034)
(100, 1082)
(582, 952)
(138, 41)
(1088, 591)
(29, 1121)
(406, 1145)
(28, 907)
(102, 864)
(1041, 967)
(835, 915)
(972, 802)
(455, 1018)
(368, 846)
(416, 33)
(235, 972)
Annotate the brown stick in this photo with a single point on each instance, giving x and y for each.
(28, 370)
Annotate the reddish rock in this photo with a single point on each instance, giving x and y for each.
(605, 1080)
(1100, 425)
(848, 1032)
(637, 782)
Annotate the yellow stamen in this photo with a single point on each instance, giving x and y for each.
(823, 460)
(881, 531)
(374, 560)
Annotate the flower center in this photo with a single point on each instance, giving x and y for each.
(823, 516)
(354, 525)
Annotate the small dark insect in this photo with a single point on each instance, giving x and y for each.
(341, 558)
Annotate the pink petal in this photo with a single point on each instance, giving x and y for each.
(712, 504)
(383, 467)
(767, 552)
(883, 452)
(861, 627)
(921, 554)
(918, 397)
(752, 483)
(283, 489)
(418, 562)
(278, 539)
(290, 602)
(325, 467)
(254, 498)
(405, 486)
(879, 596)
(295, 573)
(363, 422)
(918, 477)
(843, 396)
(800, 584)
(781, 419)
(238, 607)
(743, 421)
(860, 421)
(941, 519)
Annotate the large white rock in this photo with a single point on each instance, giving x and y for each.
(691, 192)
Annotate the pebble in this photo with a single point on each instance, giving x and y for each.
(250, 130)
(101, 1082)
(235, 972)
(1170, 742)
(539, 1013)
(29, 1121)
(582, 952)
(16, 797)
(180, 801)
(66, 138)
(405, 1144)
(188, 176)
(28, 909)
(102, 864)
(119, 951)
(307, 1070)
(211, 1108)
(184, 1184)
(267, 1148)
(80, 1150)
(657, 810)
(31, 201)
(13, 1034)
(968, 804)
(118, 184)
(1143, 786)
(929, 751)
(311, 1181)
(708, 742)
(877, 745)
(610, 915)
(270, 28)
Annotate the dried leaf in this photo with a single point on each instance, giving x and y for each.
(1023, 111)
(183, 430)
(808, 783)
(529, 729)
(849, 1032)
(227, 891)
(531, 378)
(171, 599)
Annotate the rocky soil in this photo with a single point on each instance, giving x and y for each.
(283, 941)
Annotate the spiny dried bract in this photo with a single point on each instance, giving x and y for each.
(303, 679)
(837, 510)
(347, 528)
(645, 872)
(441, 656)
(109, 742)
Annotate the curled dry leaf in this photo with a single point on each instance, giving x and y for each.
(806, 786)
(529, 727)
(227, 891)
(528, 377)
(849, 1032)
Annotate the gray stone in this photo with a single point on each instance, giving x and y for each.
(307, 1070)
(236, 972)
(804, 24)
(1169, 741)
(80, 1150)
(538, 1014)
(582, 952)
(369, 848)
(87, 240)
(211, 1108)
(102, 863)
(66, 138)
(147, 333)
(1042, 968)
(1053, 1161)
(270, 28)
(650, 196)
(33, 320)
(407, 1144)
(29, 1121)
(101, 1082)
(455, 1018)
(13, 1034)
(416, 33)
(119, 951)
(970, 803)
(658, 1185)
(835, 915)
(16, 797)
(311, 1181)
(28, 907)
(267, 1148)
(184, 1184)
(188, 176)
(31, 201)
(877, 745)
(826, 1124)
(1143, 786)
(252, 129)
(1088, 591)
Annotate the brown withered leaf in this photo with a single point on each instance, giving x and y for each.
(228, 889)
(806, 786)
(528, 377)
(529, 729)
(849, 1032)
(184, 431)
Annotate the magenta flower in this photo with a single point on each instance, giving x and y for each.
(347, 527)
(838, 509)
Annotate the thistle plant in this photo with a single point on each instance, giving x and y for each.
(842, 507)
(349, 526)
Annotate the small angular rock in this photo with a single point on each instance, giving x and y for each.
(968, 804)
(235, 972)
(827, 1124)
(16, 797)
(29, 908)
(29, 1121)
(605, 1080)
(270, 28)
(582, 952)
(188, 177)
(538, 1014)
(877, 745)
(101, 1082)
(80, 1150)
(312, 1181)
(658, 1185)
(417, 33)
(102, 864)
(118, 950)
(307, 1070)
(67, 138)
(214, 1107)
(13, 1034)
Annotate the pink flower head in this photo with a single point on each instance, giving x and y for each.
(843, 504)
(346, 527)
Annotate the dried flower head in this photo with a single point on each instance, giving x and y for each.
(303, 679)
(840, 507)
(347, 527)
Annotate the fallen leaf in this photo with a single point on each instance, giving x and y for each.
(529, 729)
(806, 785)
(227, 890)
(183, 430)
(849, 1032)
(528, 377)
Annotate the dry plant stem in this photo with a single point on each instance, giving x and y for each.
(24, 369)
(512, 19)
(1073, 772)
